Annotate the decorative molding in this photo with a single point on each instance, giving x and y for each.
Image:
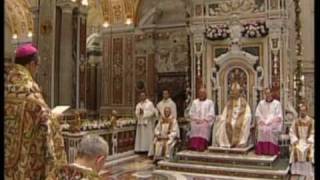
(257, 29)
(230, 55)
(112, 29)
(66, 6)
(163, 26)
(151, 17)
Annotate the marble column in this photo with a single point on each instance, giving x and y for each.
(35, 16)
(277, 66)
(67, 62)
(198, 77)
(46, 46)
(81, 97)
(92, 84)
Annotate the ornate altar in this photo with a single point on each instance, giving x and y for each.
(240, 39)
(119, 134)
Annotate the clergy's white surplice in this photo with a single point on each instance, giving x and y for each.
(167, 103)
(269, 120)
(302, 146)
(145, 126)
(233, 127)
(200, 132)
(166, 134)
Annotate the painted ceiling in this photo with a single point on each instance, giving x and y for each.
(18, 16)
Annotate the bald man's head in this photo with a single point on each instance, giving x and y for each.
(202, 94)
(268, 94)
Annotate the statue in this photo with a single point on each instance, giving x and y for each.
(232, 128)
(114, 118)
(75, 124)
(235, 33)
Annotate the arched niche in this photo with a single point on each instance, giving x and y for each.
(240, 66)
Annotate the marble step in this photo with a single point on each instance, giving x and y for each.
(244, 150)
(279, 173)
(176, 175)
(250, 159)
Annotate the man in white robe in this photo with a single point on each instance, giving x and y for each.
(146, 114)
(233, 127)
(167, 102)
(302, 144)
(166, 134)
(269, 120)
(202, 115)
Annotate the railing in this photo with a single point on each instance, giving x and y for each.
(120, 140)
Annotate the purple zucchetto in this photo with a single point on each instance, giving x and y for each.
(26, 50)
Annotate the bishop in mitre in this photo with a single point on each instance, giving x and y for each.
(146, 115)
(269, 122)
(233, 126)
(166, 134)
(302, 144)
(34, 145)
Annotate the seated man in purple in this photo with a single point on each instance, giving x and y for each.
(269, 120)
(202, 116)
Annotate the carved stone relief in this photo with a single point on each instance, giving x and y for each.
(225, 7)
(117, 71)
(236, 6)
(172, 53)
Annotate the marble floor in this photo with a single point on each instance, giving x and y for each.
(136, 168)
(140, 167)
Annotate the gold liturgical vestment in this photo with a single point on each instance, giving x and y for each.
(233, 126)
(73, 172)
(33, 143)
(302, 147)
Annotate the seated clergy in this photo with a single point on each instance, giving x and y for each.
(233, 126)
(202, 116)
(166, 134)
(302, 144)
(167, 102)
(269, 122)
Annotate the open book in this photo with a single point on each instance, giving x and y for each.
(59, 109)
